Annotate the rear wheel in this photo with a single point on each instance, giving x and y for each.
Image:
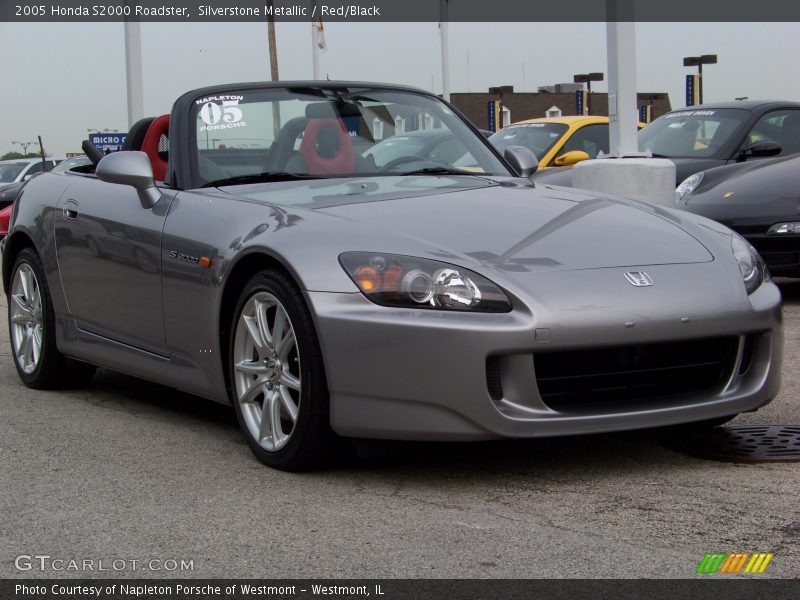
(31, 325)
(278, 384)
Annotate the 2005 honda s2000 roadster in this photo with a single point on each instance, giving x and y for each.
(246, 248)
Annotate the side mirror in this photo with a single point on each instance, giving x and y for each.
(760, 149)
(133, 169)
(570, 158)
(522, 159)
(486, 133)
(26, 177)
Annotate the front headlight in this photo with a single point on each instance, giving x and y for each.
(750, 263)
(406, 281)
(688, 185)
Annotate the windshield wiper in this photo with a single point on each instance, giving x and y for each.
(438, 171)
(259, 178)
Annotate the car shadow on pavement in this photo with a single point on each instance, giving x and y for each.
(610, 452)
(140, 397)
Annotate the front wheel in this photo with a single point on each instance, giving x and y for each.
(278, 384)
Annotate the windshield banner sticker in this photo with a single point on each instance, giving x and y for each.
(221, 112)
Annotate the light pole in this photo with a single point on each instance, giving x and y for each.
(588, 78)
(24, 146)
(499, 91)
(699, 61)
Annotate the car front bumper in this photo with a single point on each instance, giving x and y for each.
(424, 374)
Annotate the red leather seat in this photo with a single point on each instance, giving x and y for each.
(159, 127)
(327, 148)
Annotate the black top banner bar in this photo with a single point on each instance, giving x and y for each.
(377, 11)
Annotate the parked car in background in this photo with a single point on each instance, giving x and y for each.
(712, 135)
(20, 169)
(428, 144)
(557, 141)
(760, 200)
(9, 192)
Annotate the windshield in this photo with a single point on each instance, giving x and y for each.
(539, 137)
(318, 132)
(10, 171)
(691, 133)
(395, 147)
(71, 163)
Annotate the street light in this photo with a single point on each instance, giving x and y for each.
(24, 146)
(499, 91)
(699, 61)
(588, 78)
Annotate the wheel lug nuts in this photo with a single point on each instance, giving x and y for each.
(270, 386)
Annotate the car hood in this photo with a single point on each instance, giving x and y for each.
(755, 183)
(507, 223)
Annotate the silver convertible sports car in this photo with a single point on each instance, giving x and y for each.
(247, 249)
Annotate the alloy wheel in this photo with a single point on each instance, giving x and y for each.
(26, 318)
(266, 363)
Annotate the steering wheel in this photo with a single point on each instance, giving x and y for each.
(396, 162)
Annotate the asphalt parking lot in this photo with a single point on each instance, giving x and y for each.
(133, 471)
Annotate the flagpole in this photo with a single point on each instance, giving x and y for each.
(133, 71)
(273, 66)
(315, 39)
(445, 53)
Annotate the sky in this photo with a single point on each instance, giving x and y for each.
(60, 79)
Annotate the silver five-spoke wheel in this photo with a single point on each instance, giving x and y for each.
(266, 364)
(26, 318)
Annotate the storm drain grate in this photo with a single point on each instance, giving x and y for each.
(744, 443)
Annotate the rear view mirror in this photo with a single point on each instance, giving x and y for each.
(133, 169)
(522, 159)
(570, 158)
(760, 150)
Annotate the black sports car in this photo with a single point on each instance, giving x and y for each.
(759, 200)
(711, 135)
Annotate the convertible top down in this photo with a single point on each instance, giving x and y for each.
(248, 249)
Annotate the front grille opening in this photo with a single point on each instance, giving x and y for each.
(493, 381)
(747, 354)
(580, 378)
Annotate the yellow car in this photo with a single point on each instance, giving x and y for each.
(557, 141)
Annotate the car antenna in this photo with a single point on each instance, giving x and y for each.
(41, 148)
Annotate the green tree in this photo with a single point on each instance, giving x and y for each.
(15, 155)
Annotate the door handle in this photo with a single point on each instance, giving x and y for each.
(71, 210)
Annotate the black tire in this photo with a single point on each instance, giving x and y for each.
(312, 444)
(53, 369)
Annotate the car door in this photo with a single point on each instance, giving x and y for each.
(591, 139)
(780, 126)
(109, 256)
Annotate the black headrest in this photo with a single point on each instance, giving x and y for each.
(91, 151)
(135, 137)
